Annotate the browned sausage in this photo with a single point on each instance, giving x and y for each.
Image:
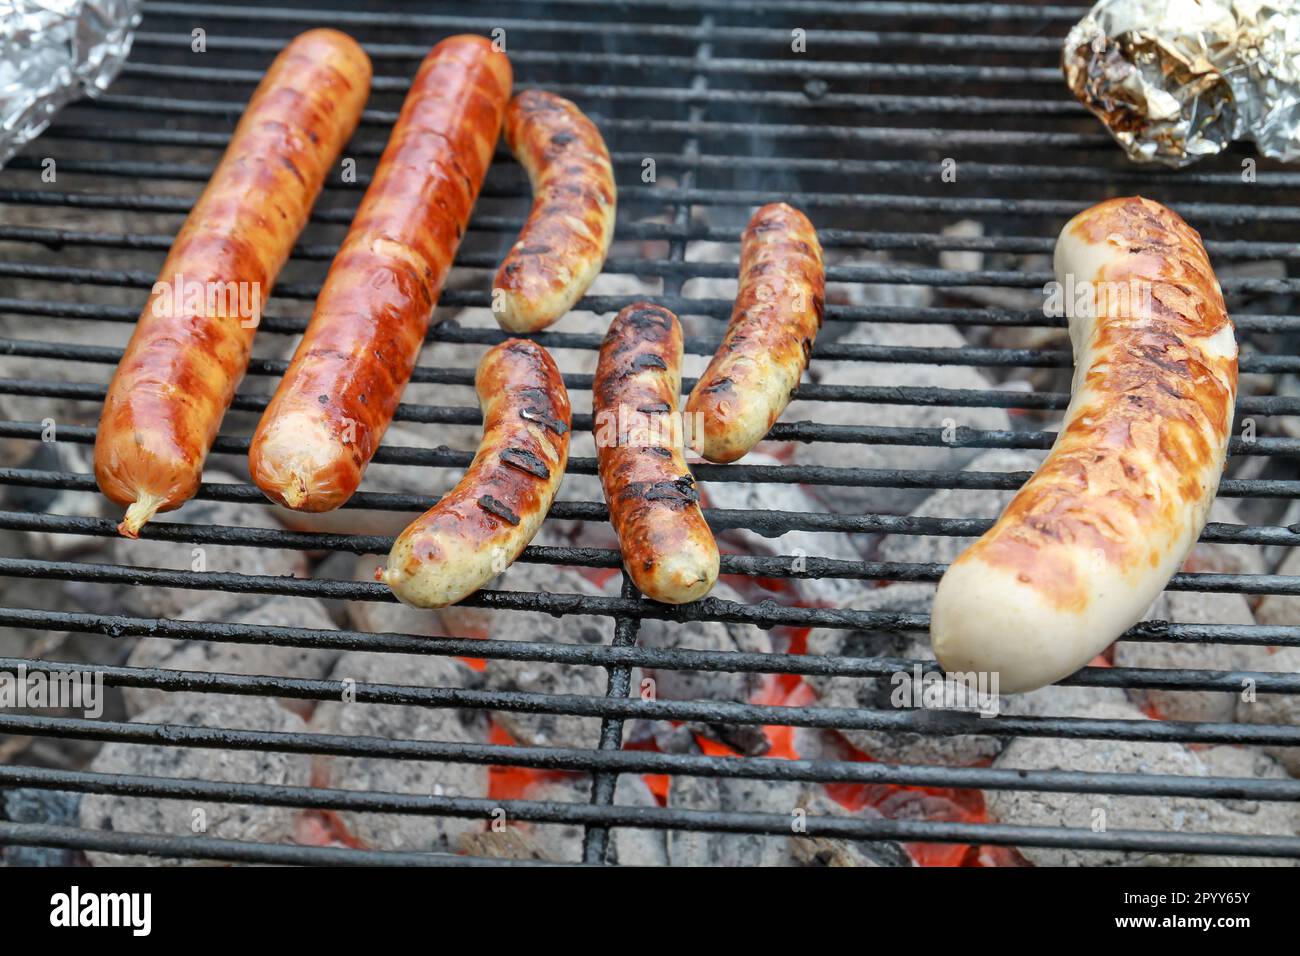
(767, 346)
(667, 546)
(1092, 538)
(192, 343)
(478, 529)
(344, 383)
(563, 245)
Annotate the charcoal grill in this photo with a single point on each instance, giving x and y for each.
(854, 130)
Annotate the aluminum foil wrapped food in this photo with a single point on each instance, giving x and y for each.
(1176, 80)
(53, 52)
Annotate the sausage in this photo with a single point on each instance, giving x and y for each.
(343, 385)
(778, 310)
(193, 340)
(1091, 539)
(667, 546)
(479, 528)
(563, 245)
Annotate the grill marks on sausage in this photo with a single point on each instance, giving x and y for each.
(564, 242)
(779, 308)
(525, 461)
(653, 499)
(647, 360)
(495, 507)
(719, 385)
(544, 417)
(500, 502)
(650, 317)
(1156, 420)
(679, 492)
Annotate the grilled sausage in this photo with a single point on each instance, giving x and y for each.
(667, 546)
(778, 310)
(192, 343)
(341, 389)
(481, 525)
(1091, 539)
(563, 245)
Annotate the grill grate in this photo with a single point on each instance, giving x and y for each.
(854, 131)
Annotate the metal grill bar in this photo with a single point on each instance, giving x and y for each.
(234, 851)
(719, 308)
(885, 104)
(866, 477)
(1227, 214)
(648, 817)
(680, 269)
(699, 67)
(993, 172)
(602, 655)
(911, 355)
(777, 566)
(451, 332)
(705, 712)
(611, 761)
(725, 66)
(763, 614)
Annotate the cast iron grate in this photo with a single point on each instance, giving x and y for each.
(854, 130)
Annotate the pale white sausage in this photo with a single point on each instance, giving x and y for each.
(1095, 535)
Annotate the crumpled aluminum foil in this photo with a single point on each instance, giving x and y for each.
(1175, 80)
(53, 52)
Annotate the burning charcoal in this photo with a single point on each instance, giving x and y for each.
(463, 356)
(47, 807)
(709, 287)
(963, 260)
(403, 831)
(1059, 700)
(739, 495)
(384, 617)
(59, 456)
(183, 556)
(1281, 609)
(1226, 760)
(957, 503)
(829, 851)
(713, 636)
(539, 677)
(339, 566)
(511, 843)
(562, 842)
(580, 488)
(59, 411)
(466, 356)
(615, 284)
(213, 656)
(1188, 607)
(876, 694)
(705, 848)
(263, 824)
(666, 736)
(869, 294)
(1226, 558)
(893, 375)
(1279, 709)
(1164, 814)
(1208, 607)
